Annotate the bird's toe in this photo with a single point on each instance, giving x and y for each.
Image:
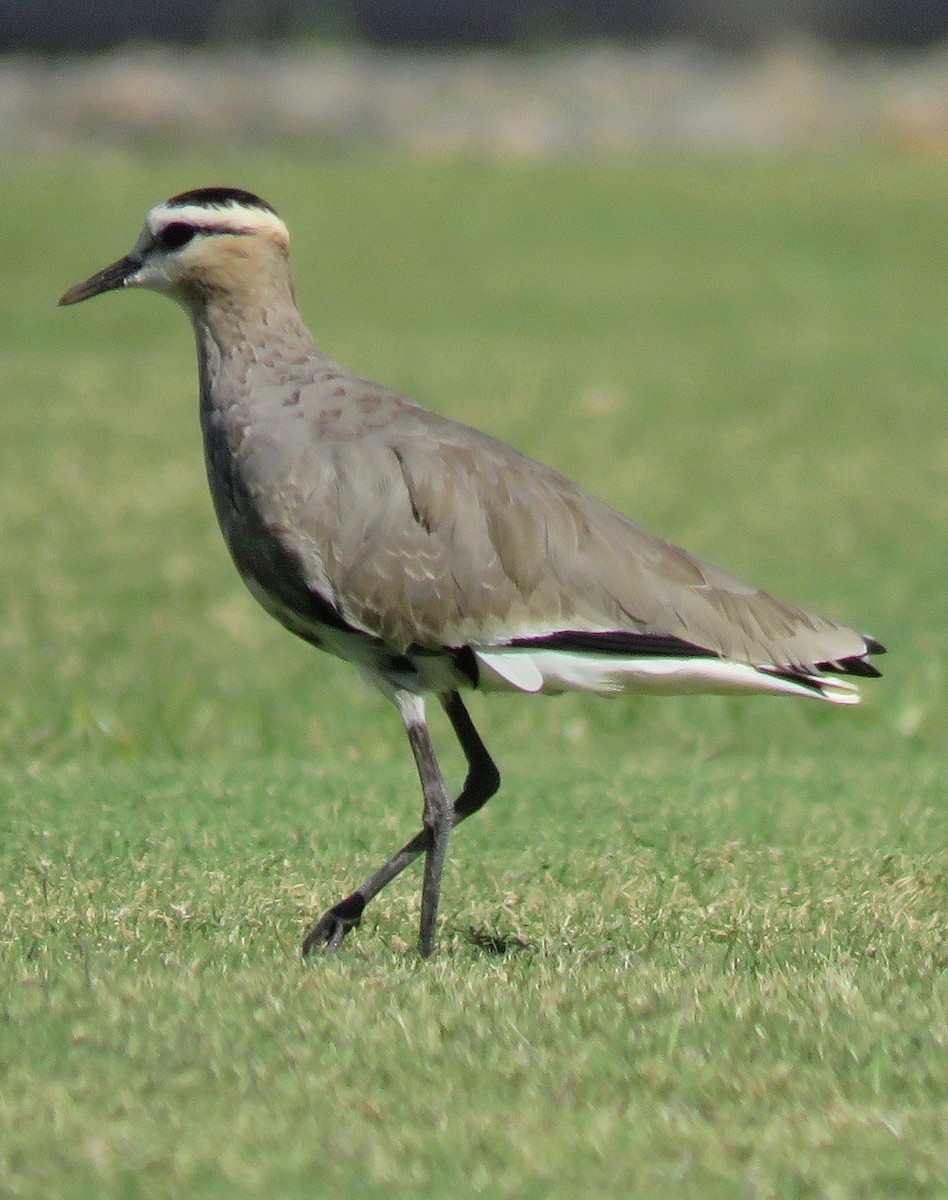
(328, 933)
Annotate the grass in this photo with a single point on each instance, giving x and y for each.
(696, 946)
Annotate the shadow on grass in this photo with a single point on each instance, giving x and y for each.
(496, 943)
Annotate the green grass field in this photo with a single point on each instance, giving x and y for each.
(695, 947)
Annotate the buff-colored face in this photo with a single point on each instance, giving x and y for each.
(194, 243)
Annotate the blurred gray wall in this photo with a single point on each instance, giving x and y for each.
(73, 25)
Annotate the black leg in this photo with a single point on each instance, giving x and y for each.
(482, 781)
(483, 778)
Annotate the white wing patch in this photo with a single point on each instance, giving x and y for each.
(554, 671)
(509, 670)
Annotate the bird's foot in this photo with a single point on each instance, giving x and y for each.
(328, 933)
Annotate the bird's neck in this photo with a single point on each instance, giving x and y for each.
(253, 315)
(238, 337)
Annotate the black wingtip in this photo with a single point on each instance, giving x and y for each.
(857, 665)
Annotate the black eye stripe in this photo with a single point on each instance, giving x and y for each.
(178, 233)
(175, 235)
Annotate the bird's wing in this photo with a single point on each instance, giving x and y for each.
(427, 533)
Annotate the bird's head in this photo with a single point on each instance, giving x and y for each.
(202, 243)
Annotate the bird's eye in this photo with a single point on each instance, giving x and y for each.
(175, 235)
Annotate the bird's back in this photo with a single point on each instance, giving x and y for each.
(424, 532)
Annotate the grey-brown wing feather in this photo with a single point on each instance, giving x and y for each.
(425, 532)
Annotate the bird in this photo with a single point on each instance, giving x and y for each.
(434, 557)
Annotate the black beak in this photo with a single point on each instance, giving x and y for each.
(106, 280)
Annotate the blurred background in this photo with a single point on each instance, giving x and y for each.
(94, 24)
(531, 77)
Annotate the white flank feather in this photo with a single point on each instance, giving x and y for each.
(554, 671)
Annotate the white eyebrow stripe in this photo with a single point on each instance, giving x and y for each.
(233, 218)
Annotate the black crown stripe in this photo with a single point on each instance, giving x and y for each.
(220, 197)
